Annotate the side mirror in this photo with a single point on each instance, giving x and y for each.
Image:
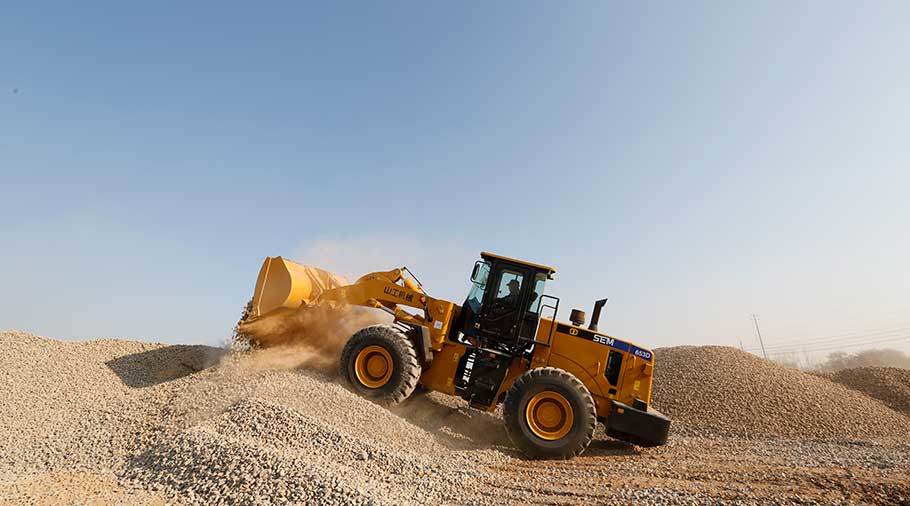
(480, 273)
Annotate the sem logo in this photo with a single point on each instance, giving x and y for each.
(574, 332)
(604, 340)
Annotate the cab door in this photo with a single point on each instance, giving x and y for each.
(505, 303)
(527, 330)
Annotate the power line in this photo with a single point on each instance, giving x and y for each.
(831, 344)
(851, 337)
(905, 337)
(835, 346)
(820, 341)
(848, 345)
(838, 337)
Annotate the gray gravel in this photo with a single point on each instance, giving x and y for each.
(114, 421)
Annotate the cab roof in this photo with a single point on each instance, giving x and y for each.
(494, 256)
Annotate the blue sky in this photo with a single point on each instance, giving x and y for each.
(695, 163)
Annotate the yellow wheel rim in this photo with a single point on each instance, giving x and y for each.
(549, 415)
(373, 366)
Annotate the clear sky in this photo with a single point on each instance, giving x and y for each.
(694, 162)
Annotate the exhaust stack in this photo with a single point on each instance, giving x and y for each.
(598, 306)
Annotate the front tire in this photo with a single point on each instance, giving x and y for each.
(380, 363)
(549, 414)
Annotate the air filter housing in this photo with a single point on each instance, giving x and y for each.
(577, 317)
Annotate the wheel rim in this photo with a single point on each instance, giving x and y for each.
(549, 415)
(373, 366)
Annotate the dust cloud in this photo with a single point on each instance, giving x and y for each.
(311, 336)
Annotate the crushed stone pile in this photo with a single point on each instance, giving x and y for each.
(724, 391)
(190, 424)
(113, 421)
(61, 401)
(891, 385)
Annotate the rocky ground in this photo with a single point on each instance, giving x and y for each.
(112, 421)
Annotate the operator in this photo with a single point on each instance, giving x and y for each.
(511, 298)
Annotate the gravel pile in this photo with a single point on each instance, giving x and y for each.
(890, 385)
(193, 425)
(722, 390)
(248, 422)
(114, 421)
(76, 392)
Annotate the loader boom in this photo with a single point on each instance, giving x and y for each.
(388, 291)
(285, 285)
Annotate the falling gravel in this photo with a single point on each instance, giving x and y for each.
(722, 390)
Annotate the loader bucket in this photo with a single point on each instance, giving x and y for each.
(286, 284)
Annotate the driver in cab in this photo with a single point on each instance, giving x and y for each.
(510, 300)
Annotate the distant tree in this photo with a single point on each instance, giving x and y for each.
(836, 361)
(839, 360)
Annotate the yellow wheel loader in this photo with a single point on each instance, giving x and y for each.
(556, 380)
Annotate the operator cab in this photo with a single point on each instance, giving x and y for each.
(502, 309)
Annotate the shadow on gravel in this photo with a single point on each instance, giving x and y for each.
(454, 423)
(152, 367)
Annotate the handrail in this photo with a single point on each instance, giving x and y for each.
(553, 325)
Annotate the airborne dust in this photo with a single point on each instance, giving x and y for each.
(311, 336)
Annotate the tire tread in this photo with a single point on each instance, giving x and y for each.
(399, 346)
(512, 412)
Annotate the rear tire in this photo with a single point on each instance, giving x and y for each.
(549, 414)
(380, 363)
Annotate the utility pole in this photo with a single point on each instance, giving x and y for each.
(741, 345)
(758, 331)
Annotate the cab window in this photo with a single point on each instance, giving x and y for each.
(539, 282)
(478, 287)
(509, 289)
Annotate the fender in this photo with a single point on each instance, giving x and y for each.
(571, 366)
